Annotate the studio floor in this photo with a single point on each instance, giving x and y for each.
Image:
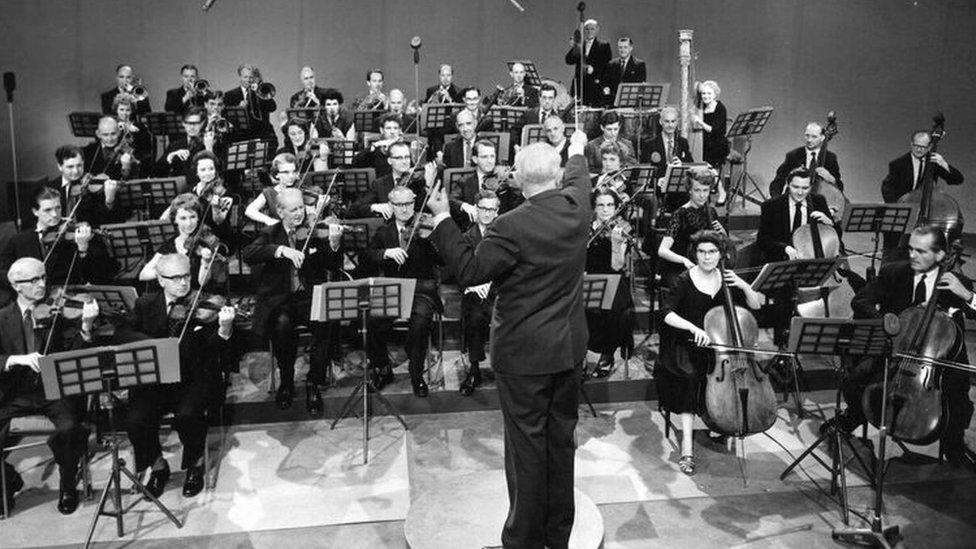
(300, 484)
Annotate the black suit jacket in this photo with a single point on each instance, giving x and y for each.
(798, 157)
(635, 71)
(535, 255)
(531, 116)
(98, 161)
(298, 100)
(598, 57)
(454, 153)
(20, 380)
(272, 275)
(901, 177)
(775, 231)
(142, 107)
(260, 128)
(380, 190)
(422, 259)
(452, 91)
(652, 152)
(174, 101)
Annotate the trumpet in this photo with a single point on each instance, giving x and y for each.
(201, 87)
(513, 95)
(222, 125)
(139, 91)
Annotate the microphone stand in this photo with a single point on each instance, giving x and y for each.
(416, 83)
(13, 157)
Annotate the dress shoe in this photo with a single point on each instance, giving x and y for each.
(284, 396)
(313, 400)
(157, 481)
(68, 501)
(472, 380)
(604, 366)
(193, 483)
(962, 457)
(420, 388)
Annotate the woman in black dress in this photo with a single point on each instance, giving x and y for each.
(297, 137)
(685, 360)
(713, 120)
(607, 254)
(673, 252)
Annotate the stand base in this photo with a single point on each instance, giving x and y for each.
(886, 538)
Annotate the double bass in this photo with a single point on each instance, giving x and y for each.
(739, 398)
(836, 201)
(934, 206)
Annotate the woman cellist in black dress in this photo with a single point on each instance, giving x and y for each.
(680, 373)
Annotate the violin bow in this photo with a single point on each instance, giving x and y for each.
(318, 212)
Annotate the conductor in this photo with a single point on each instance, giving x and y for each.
(535, 255)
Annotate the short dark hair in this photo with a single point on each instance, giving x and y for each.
(295, 121)
(67, 152)
(708, 237)
(195, 110)
(203, 155)
(939, 240)
(609, 117)
(611, 147)
(802, 172)
(214, 94)
(605, 191)
(45, 193)
(469, 88)
(390, 117)
(371, 71)
(188, 66)
(626, 39)
(332, 93)
(546, 86)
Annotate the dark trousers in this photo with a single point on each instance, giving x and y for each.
(284, 338)
(70, 438)
(540, 414)
(418, 337)
(475, 317)
(188, 403)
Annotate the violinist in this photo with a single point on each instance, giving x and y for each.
(136, 139)
(459, 152)
(477, 301)
(905, 175)
(610, 165)
(336, 121)
(904, 284)
(487, 176)
(125, 82)
(179, 100)
(374, 98)
(78, 244)
(368, 204)
(607, 254)
(375, 156)
(310, 96)
(674, 252)
(396, 250)
(185, 213)
(211, 193)
(97, 206)
(22, 343)
(197, 137)
(209, 348)
(445, 91)
(107, 156)
(285, 271)
(546, 106)
(811, 156)
(610, 126)
(680, 374)
(396, 108)
(284, 172)
(297, 144)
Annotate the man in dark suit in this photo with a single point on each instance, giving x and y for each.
(622, 69)
(596, 55)
(445, 91)
(905, 174)
(811, 155)
(284, 276)
(125, 82)
(96, 206)
(81, 246)
(179, 100)
(903, 284)
(259, 110)
(375, 156)
(555, 131)
(394, 253)
(459, 152)
(547, 106)
(373, 202)
(207, 352)
(310, 96)
(535, 255)
(408, 122)
(477, 301)
(486, 177)
(335, 121)
(105, 156)
(667, 147)
(22, 344)
(519, 93)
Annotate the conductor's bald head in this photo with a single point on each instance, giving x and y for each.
(537, 168)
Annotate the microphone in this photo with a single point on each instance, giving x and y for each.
(9, 85)
(891, 324)
(581, 7)
(415, 44)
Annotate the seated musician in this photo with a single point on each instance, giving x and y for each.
(296, 132)
(471, 97)
(487, 176)
(810, 156)
(185, 213)
(477, 301)
(667, 147)
(445, 91)
(285, 275)
(375, 156)
(680, 373)
(519, 93)
(674, 251)
(555, 131)
(374, 98)
(610, 126)
(179, 100)
(284, 172)
(625, 68)
(22, 344)
(778, 218)
(79, 251)
(335, 121)
(96, 206)
(610, 164)
(207, 185)
(207, 351)
(135, 133)
(458, 153)
(106, 156)
(198, 136)
(397, 108)
(899, 286)
(213, 103)
(124, 83)
(259, 109)
(310, 96)
(607, 254)
(546, 106)
(369, 203)
(396, 254)
(905, 175)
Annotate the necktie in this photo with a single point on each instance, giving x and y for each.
(812, 163)
(174, 325)
(921, 170)
(623, 68)
(403, 238)
(798, 216)
(296, 283)
(542, 116)
(919, 292)
(467, 153)
(41, 243)
(29, 342)
(669, 153)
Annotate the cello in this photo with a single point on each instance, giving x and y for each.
(916, 410)
(934, 206)
(739, 398)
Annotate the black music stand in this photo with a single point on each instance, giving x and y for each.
(355, 243)
(454, 176)
(247, 155)
(878, 218)
(100, 371)
(341, 151)
(641, 95)
(164, 124)
(307, 114)
(363, 120)
(598, 293)
(135, 243)
(238, 117)
(112, 300)
(150, 196)
(438, 116)
(532, 77)
(84, 124)
(641, 175)
(674, 179)
(843, 338)
(375, 298)
(506, 118)
(746, 125)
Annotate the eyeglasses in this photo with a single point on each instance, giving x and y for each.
(484, 209)
(403, 204)
(193, 122)
(917, 146)
(185, 277)
(36, 280)
(400, 157)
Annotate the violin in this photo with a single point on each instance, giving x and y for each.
(66, 231)
(321, 228)
(606, 227)
(205, 239)
(205, 308)
(214, 188)
(69, 307)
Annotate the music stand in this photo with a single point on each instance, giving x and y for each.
(84, 124)
(112, 300)
(746, 125)
(641, 95)
(878, 218)
(247, 155)
(238, 117)
(134, 243)
(532, 77)
(363, 120)
(164, 124)
(100, 371)
(843, 338)
(506, 118)
(307, 114)
(674, 178)
(375, 298)
(598, 293)
(438, 116)
(149, 195)
(454, 176)
(341, 151)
